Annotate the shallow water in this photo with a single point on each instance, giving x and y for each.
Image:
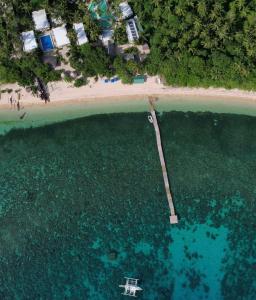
(39, 115)
(82, 204)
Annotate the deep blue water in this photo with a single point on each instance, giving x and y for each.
(82, 204)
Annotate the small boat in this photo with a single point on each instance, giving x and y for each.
(131, 287)
(23, 115)
(150, 119)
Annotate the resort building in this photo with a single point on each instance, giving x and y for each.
(40, 20)
(56, 21)
(132, 31)
(50, 59)
(80, 33)
(139, 79)
(111, 49)
(107, 39)
(29, 41)
(126, 10)
(145, 49)
(60, 36)
(128, 56)
(107, 36)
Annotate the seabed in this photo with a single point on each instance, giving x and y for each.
(82, 204)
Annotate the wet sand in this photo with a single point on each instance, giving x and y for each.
(38, 114)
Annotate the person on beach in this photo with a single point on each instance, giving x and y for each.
(18, 105)
(11, 100)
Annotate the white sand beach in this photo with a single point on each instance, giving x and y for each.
(68, 102)
(62, 91)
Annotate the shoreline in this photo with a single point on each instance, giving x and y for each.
(101, 98)
(62, 91)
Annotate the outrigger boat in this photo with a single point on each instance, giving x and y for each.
(131, 287)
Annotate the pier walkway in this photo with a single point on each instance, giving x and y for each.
(153, 120)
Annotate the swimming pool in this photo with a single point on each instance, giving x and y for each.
(99, 11)
(46, 43)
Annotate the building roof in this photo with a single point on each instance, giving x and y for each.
(145, 48)
(139, 79)
(51, 60)
(60, 36)
(125, 10)
(40, 20)
(107, 36)
(80, 33)
(111, 48)
(29, 41)
(56, 21)
(131, 29)
(129, 56)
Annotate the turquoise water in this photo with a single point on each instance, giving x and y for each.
(82, 204)
(99, 11)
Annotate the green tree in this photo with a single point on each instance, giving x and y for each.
(122, 71)
(90, 61)
(120, 35)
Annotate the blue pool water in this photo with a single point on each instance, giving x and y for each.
(46, 43)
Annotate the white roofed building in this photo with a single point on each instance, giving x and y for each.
(132, 31)
(107, 36)
(56, 21)
(40, 20)
(126, 10)
(60, 36)
(80, 33)
(29, 41)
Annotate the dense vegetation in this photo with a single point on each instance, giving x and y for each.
(201, 42)
(15, 65)
(90, 61)
(193, 42)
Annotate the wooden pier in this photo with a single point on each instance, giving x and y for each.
(153, 120)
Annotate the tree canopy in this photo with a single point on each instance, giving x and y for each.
(201, 42)
(90, 61)
(193, 42)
